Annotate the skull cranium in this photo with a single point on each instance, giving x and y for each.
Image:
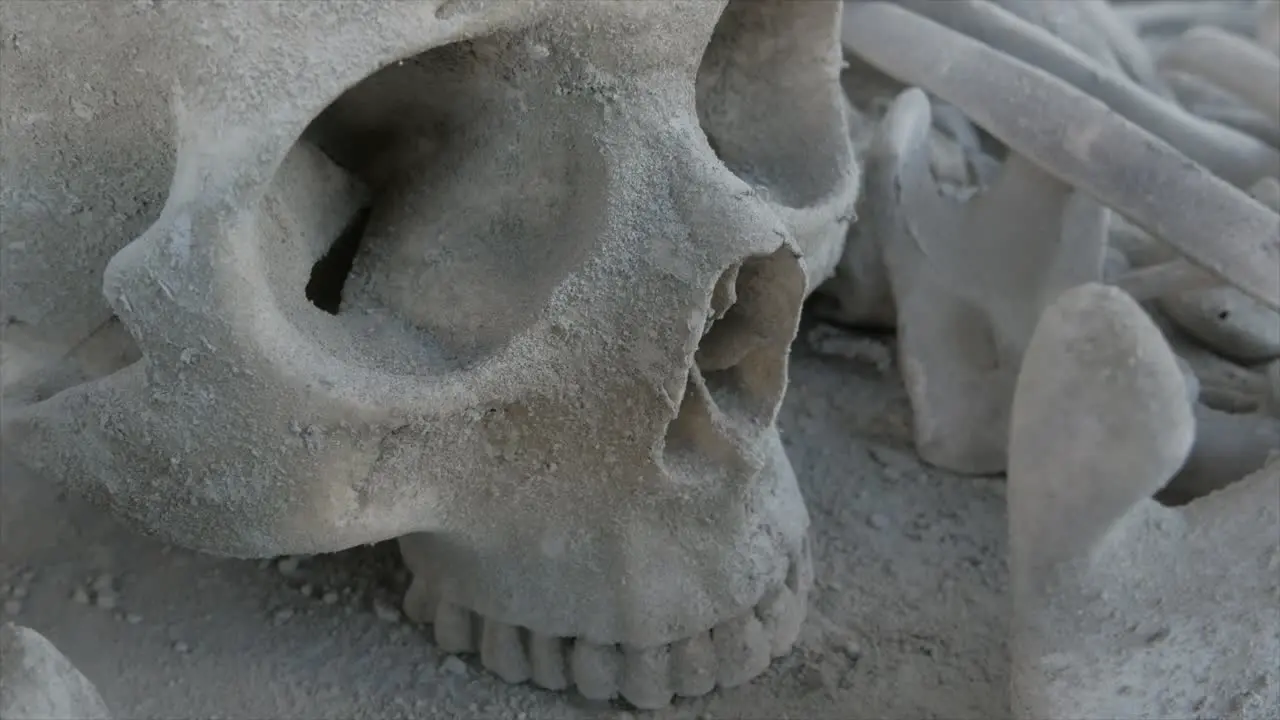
(556, 360)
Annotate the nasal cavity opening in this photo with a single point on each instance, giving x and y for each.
(329, 274)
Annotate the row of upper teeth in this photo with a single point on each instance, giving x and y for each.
(729, 654)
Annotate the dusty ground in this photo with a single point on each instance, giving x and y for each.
(907, 619)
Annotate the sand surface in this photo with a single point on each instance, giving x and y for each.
(907, 619)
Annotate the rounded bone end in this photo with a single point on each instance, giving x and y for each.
(37, 681)
(1100, 422)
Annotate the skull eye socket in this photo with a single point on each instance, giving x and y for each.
(466, 206)
(766, 101)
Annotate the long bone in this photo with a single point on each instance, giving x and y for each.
(1232, 324)
(1231, 155)
(1129, 49)
(1267, 31)
(969, 280)
(1123, 607)
(1211, 102)
(1171, 17)
(1082, 142)
(1233, 62)
(1230, 441)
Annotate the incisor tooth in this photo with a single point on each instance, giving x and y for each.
(596, 669)
(546, 655)
(646, 677)
(693, 665)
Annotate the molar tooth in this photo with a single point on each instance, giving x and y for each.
(742, 650)
(646, 676)
(453, 628)
(502, 652)
(693, 665)
(420, 602)
(596, 669)
(546, 655)
(781, 613)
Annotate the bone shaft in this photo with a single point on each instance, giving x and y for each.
(1233, 63)
(1082, 142)
(1228, 153)
(1165, 279)
(1169, 17)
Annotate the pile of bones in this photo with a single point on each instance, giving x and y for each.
(515, 283)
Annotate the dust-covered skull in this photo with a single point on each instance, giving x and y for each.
(514, 282)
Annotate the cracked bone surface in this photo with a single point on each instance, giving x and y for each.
(1123, 607)
(578, 245)
(37, 682)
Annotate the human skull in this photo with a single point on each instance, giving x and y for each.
(555, 364)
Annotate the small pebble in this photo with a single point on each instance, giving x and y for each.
(852, 651)
(181, 647)
(106, 601)
(453, 666)
(330, 598)
(283, 614)
(133, 618)
(878, 521)
(12, 607)
(385, 611)
(80, 596)
(305, 590)
(19, 592)
(287, 566)
(104, 583)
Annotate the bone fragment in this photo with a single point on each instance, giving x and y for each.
(1228, 446)
(1157, 281)
(1172, 17)
(1129, 49)
(39, 683)
(1229, 322)
(1267, 30)
(1234, 156)
(969, 279)
(1230, 61)
(1082, 142)
(1123, 607)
